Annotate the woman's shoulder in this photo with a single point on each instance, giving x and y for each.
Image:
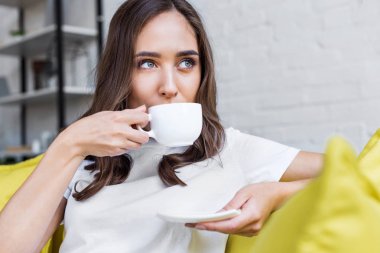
(230, 131)
(233, 135)
(236, 134)
(242, 141)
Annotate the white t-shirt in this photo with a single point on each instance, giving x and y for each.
(122, 218)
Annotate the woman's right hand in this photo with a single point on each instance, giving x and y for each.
(107, 133)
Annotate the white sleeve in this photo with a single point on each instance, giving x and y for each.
(79, 174)
(68, 190)
(260, 160)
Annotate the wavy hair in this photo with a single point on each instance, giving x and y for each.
(113, 88)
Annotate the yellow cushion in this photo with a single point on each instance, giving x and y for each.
(369, 161)
(240, 244)
(338, 212)
(11, 178)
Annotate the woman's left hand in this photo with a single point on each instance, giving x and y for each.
(256, 202)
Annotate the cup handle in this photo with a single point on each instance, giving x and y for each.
(150, 133)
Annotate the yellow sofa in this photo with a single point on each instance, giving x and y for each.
(337, 212)
(11, 178)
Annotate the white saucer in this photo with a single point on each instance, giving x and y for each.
(198, 217)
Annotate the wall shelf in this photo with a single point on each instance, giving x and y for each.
(40, 41)
(46, 95)
(17, 3)
(48, 41)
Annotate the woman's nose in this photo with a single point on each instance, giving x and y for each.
(168, 88)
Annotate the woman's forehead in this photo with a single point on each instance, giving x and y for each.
(167, 32)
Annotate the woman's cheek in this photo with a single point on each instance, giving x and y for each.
(190, 86)
(146, 82)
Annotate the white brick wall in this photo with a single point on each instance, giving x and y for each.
(295, 71)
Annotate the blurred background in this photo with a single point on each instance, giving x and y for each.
(294, 71)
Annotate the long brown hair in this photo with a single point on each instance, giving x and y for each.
(113, 87)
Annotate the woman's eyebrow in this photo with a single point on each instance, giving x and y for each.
(186, 52)
(146, 53)
(157, 55)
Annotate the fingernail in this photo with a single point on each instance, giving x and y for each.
(200, 227)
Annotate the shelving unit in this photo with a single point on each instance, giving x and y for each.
(17, 3)
(39, 42)
(45, 95)
(17, 156)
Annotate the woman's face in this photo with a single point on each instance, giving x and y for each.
(167, 66)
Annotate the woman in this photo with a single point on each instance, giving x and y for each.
(114, 180)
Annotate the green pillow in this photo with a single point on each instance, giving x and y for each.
(337, 212)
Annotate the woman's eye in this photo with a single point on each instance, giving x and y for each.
(146, 64)
(186, 64)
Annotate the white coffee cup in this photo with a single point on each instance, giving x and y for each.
(175, 124)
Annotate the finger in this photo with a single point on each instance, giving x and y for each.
(129, 133)
(141, 108)
(125, 132)
(130, 145)
(142, 125)
(254, 221)
(134, 116)
(123, 146)
(249, 231)
(237, 201)
(229, 226)
(136, 136)
(234, 225)
(118, 152)
(244, 231)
